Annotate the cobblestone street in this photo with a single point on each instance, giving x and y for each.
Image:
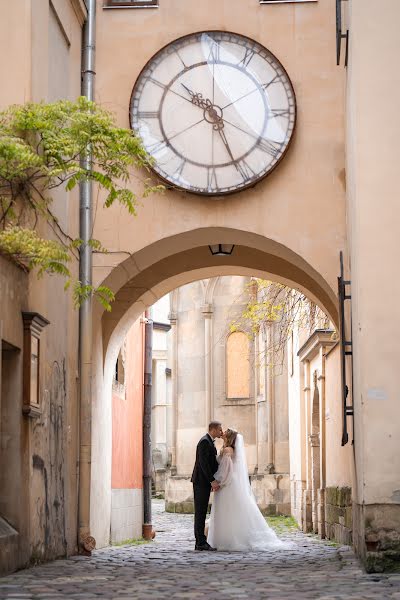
(170, 568)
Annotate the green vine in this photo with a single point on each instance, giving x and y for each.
(41, 147)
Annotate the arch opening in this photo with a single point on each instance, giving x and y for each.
(140, 280)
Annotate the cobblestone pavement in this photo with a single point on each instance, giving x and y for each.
(170, 568)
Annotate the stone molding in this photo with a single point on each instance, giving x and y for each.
(317, 340)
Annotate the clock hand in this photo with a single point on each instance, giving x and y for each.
(197, 99)
(189, 91)
(225, 142)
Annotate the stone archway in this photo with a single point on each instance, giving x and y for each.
(149, 274)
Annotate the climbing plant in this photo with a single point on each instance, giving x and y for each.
(41, 147)
(288, 309)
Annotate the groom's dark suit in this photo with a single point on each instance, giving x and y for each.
(203, 474)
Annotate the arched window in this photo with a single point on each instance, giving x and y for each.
(237, 366)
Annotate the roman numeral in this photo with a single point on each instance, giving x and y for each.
(248, 55)
(245, 170)
(179, 170)
(212, 178)
(158, 83)
(276, 79)
(271, 148)
(148, 114)
(276, 112)
(180, 58)
(214, 52)
(154, 148)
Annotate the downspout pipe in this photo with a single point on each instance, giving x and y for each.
(86, 542)
(148, 383)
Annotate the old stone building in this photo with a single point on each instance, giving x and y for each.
(334, 189)
(220, 374)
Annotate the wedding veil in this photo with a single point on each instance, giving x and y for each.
(240, 465)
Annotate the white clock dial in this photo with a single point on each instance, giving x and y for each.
(215, 110)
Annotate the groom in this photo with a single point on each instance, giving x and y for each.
(203, 481)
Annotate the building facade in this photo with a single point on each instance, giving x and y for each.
(40, 60)
(219, 373)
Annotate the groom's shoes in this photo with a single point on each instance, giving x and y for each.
(205, 547)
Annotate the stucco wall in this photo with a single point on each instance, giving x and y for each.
(339, 459)
(37, 44)
(169, 238)
(127, 443)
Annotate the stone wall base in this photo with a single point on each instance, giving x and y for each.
(338, 515)
(297, 487)
(376, 536)
(272, 494)
(159, 481)
(10, 559)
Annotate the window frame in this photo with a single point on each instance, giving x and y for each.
(109, 4)
(286, 1)
(237, 399)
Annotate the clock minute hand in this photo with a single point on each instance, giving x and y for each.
(225, 142)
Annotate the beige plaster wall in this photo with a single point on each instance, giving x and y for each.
(295, 193)
(373, 228)
(40, 60)
(339, 459)
(275, 225)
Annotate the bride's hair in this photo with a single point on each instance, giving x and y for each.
(231, 435)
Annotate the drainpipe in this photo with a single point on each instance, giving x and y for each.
(85, 541)
(148, 376)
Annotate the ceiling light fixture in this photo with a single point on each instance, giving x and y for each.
(221, 249)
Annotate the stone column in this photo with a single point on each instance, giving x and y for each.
(315, 477)
(256, 390)
(172, 414)
(322, 441)
(270, 397)
(207, 311)
(307, 493)
(159, 422)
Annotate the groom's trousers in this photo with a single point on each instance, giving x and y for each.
(201, 499)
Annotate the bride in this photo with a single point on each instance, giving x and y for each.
(236, 522)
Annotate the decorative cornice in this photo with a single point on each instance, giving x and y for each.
(34, 322)
(207, 310)
(319, 339)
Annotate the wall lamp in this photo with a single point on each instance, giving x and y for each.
(221, 249)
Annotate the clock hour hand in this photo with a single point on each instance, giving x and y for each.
(197, 98)
(189, 91)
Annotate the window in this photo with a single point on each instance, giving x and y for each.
(119, 375)
(33, 326)
(130, 3)
(237, 366)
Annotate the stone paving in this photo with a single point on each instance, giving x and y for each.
(170, 568)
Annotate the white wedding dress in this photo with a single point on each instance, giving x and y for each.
(236, 522)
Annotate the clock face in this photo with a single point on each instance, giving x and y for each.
(215, 110)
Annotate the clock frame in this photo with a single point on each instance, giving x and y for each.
(213, 114)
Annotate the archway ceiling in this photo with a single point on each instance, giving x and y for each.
(154, 271)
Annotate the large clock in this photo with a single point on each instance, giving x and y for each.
(215, 110)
